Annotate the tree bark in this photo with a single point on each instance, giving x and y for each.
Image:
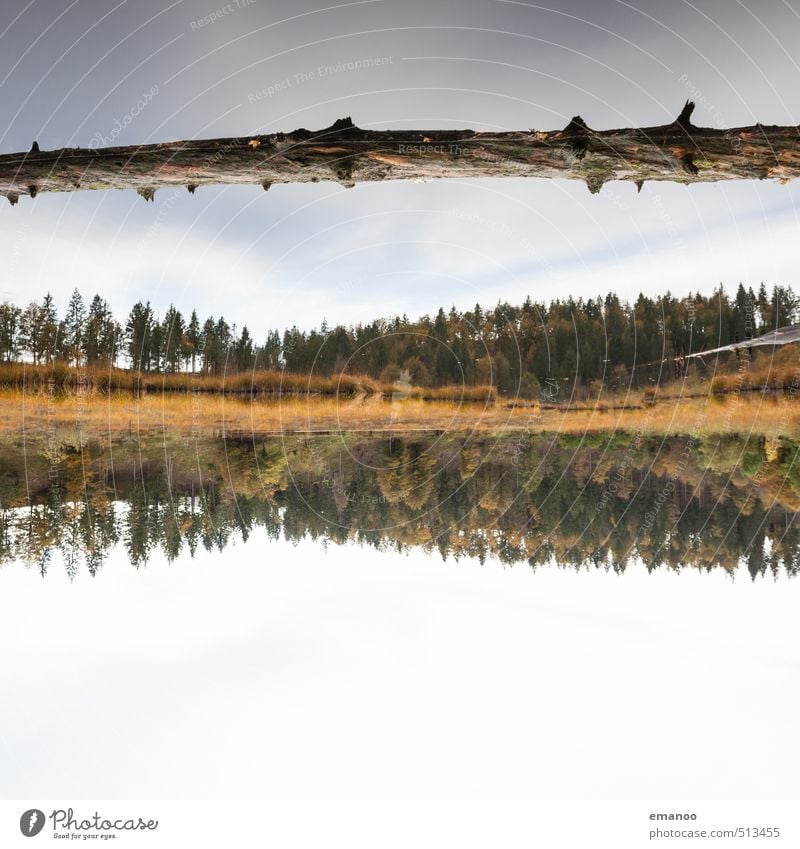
(678, 152)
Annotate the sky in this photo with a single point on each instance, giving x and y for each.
(86, 73)
(367, 674)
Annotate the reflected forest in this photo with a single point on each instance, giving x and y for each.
(593, 501)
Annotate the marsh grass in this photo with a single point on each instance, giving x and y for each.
(76, 417)
(64, 379)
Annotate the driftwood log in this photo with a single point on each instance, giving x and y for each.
(678, 152)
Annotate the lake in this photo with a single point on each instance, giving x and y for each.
(425, 616)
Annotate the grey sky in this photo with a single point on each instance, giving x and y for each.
(75, 73)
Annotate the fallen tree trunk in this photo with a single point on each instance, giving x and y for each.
(774, 338)
(677, 152)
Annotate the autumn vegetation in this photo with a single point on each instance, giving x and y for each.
(606, 362)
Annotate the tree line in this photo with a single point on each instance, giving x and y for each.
(515, 348)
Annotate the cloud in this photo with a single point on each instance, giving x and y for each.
(311, 252)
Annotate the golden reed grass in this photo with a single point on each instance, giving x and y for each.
(104, 380)
(76, 417)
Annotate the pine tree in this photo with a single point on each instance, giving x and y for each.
(244, 351)
(209, 345)
(172, 334)
(194, 337)
(74, 328)
(157, 338)
(10, 322)
(137, 336)
(32, 336)
(50, 326)
(271, 351)
(95, 329)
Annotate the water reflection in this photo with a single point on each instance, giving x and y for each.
(601, 501)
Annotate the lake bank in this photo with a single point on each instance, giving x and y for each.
(75, 418)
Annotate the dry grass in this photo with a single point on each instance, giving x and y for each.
(59, 376)
(84, 416)
(106, 381)
(764, 371)
(476, 394)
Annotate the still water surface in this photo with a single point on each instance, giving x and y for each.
(412, 621)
